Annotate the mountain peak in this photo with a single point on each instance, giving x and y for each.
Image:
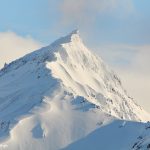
(65, 87)
(74, 36)
(71, 37)
(76, 31)
(70, 61)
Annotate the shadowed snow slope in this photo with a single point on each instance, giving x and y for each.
(64, 94)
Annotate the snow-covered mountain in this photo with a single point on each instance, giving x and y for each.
(64, 97)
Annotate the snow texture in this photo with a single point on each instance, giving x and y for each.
(64, 97)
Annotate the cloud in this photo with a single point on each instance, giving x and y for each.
(135, 73)
(139, 77)
(86, 11)
(13, 46)
(137, 85)
(141, 61)
(118, 55)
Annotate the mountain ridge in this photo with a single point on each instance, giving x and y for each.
(65, 88)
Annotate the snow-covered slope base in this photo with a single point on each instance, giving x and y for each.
(64, 94)
(118, 135)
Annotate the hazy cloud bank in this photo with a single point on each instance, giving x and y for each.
(13, 46)
(133, 66)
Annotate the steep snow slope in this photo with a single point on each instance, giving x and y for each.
(143, 139)
(60, 94)
(118, 135)
(85, 74)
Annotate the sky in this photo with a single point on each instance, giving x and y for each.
(118, 31)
